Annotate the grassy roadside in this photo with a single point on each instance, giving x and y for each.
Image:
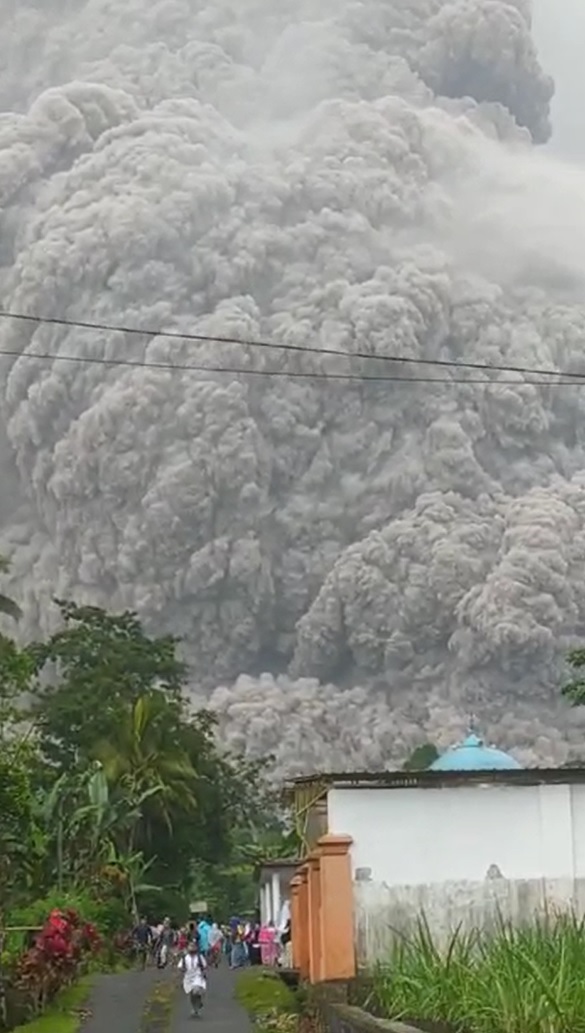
(66, 1013)
(271, 1005)
(515, 980)
(158, 1009)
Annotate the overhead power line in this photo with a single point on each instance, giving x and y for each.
(566, 375)
(283, 374)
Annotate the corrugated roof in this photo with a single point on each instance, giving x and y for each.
(436, 779)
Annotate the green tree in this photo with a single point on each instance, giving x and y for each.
(574, 690)
(260, 829)
(144, 754)
(119, 789)
(191, 822)
(16, 678)
(97, 665)
(18, 828)
(422, 757)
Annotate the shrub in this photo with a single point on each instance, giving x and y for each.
(107, 916)
(60, 951)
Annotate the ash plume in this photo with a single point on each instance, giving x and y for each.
(361, 176)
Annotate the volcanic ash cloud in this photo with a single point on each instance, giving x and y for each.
(357, 176)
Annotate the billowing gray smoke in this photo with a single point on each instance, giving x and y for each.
(350, 174)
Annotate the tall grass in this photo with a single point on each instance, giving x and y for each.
(526, 980)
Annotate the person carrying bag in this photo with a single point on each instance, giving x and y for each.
(194, 968)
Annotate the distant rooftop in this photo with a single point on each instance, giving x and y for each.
(437, 779)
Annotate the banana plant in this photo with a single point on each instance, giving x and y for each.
(88, 821)
(134, 868)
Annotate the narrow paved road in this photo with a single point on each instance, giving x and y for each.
(221, 1013)
(118, 1004)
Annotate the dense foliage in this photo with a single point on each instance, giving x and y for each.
(574, 689)
(115, 796)
(114, 783)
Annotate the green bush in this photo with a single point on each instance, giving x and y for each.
(108, 915)
(262, 993)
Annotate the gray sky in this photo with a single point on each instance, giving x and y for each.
(559, 28)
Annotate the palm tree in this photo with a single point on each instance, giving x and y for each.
(145, 760)
(7, 605)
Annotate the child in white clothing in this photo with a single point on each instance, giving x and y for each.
(194, 968)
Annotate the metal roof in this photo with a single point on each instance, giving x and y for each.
(437, 779)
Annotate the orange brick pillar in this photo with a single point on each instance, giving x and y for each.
(315, 950)
(302, 932)
(295, 893)
(337, 910)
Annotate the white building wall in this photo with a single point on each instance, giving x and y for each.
(578, 824)
(409, 837)
(462, 855)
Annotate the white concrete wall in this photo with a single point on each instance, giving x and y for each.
(385, 914)
(409, 837)
(578, 824)
(462, 856)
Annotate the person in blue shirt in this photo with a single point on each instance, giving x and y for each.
(204, 929)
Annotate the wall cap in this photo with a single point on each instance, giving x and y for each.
(334, 844)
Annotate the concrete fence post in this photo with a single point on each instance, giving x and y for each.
(302, 933)
(315, 924)
(295, 919)
(336, 908)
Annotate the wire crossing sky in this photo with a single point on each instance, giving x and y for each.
(561, 377)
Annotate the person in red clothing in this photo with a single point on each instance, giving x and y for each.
(182, 940)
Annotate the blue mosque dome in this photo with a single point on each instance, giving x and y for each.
(473, 755)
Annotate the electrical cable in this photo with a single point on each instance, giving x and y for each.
(206, 338)
(294, 374)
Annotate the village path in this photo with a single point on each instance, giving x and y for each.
(221, 1013)
(119, 1001)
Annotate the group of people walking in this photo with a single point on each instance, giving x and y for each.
(200, 945)
(159, 944)
(254, 943)
(194, 947)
